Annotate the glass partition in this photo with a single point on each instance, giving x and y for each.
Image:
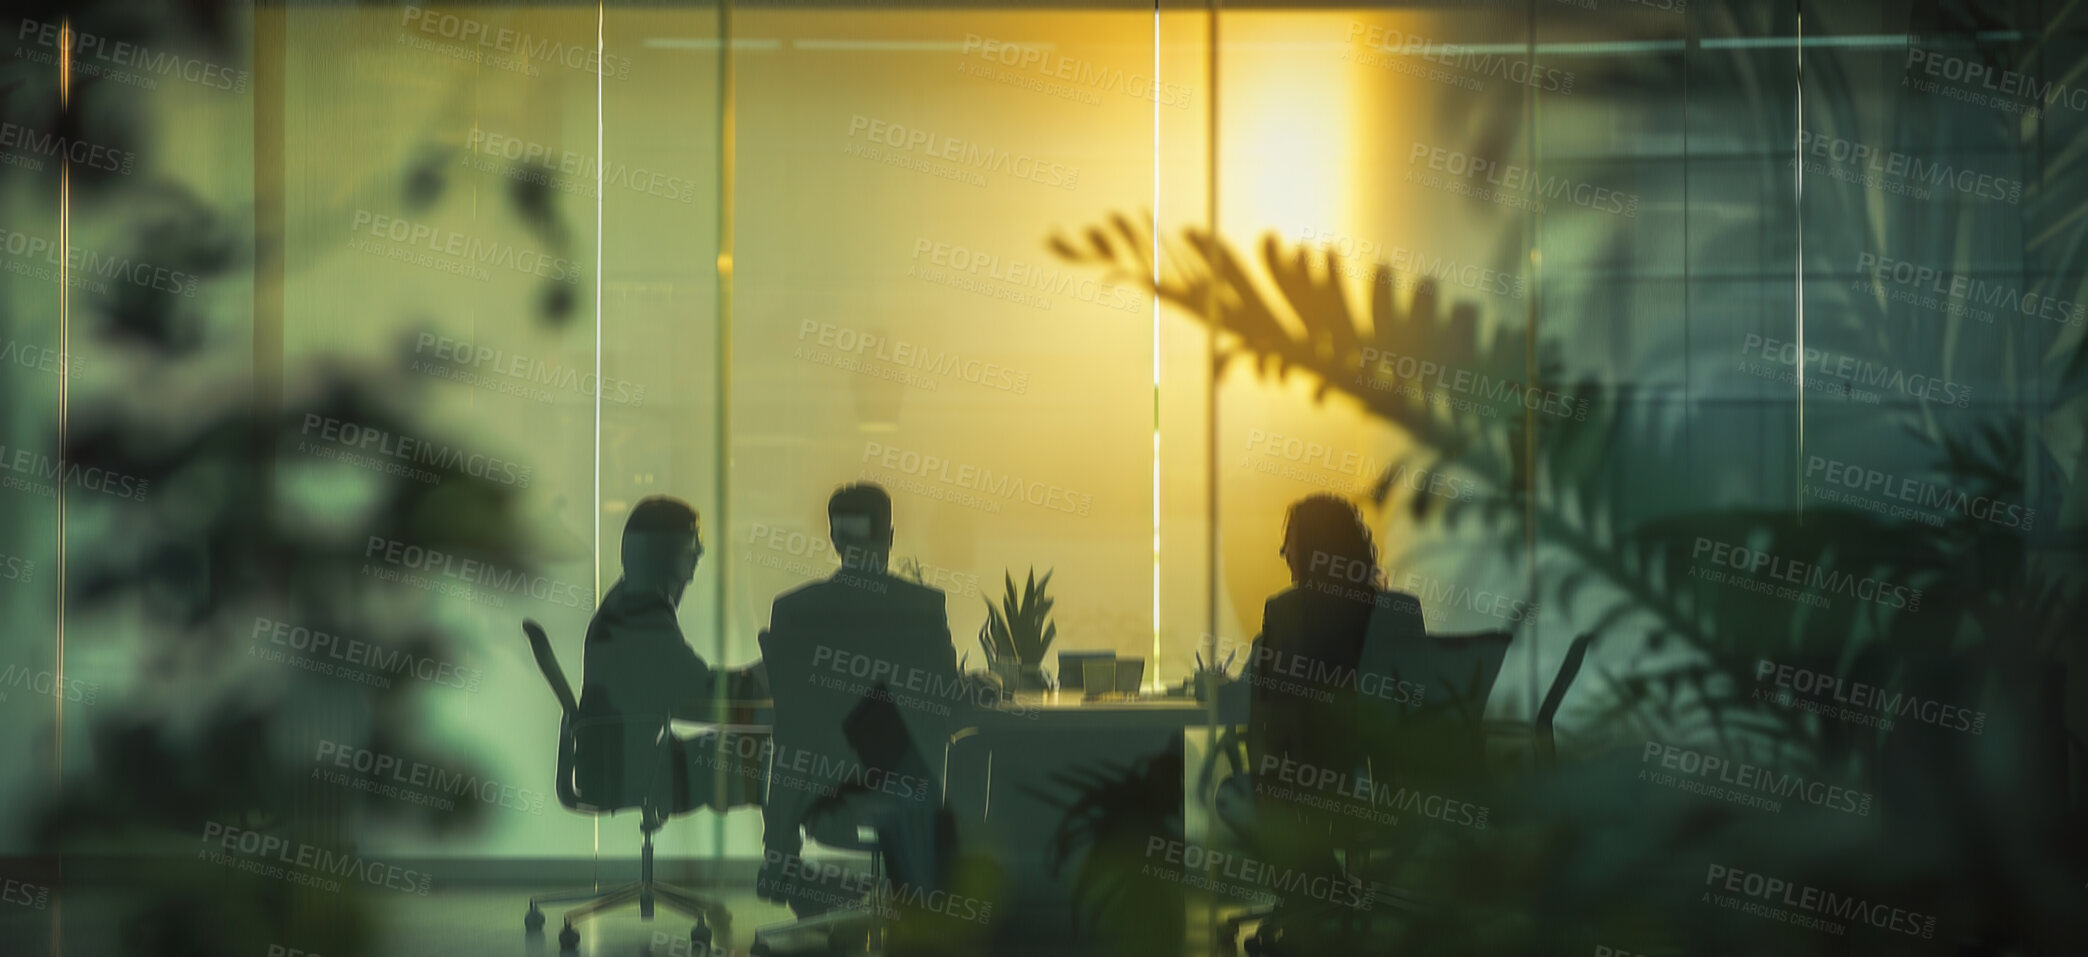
(1718, 361)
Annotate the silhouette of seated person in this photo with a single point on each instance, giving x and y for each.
(859, 741)
(640, 673)
(1306, 697)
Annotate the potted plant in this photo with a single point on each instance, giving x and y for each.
(1018, 633)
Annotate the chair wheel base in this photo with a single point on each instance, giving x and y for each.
(568, 939)
(534, 920)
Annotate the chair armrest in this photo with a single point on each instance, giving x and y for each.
(547, 662)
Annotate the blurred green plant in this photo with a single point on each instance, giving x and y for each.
(1991, 608)
(1110, 818)
(240, 528)
(1996, 623)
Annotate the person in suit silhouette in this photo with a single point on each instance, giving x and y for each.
(640, 673)
(876, 706)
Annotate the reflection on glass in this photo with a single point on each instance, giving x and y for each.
(1495, 479)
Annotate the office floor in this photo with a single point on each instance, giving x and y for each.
(484, 923)
(478, 922)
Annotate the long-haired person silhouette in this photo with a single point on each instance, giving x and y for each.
(1303, 678)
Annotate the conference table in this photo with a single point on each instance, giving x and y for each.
(1036, 758)
(1014, 771)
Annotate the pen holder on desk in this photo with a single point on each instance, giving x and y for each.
(1130, 672)
(1111, 675)
(1073, 670)
(1098, 675)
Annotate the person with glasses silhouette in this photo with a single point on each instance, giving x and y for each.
(641, 673)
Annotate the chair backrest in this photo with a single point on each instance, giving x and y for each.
(547, 662)
(568, 714)
(1454, 673)
(1430, 725)
(602, 733)
(1463, 669)
(810, 755)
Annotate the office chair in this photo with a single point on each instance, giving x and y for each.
(1462, 669)
(1454, 672)
(809, 719)
(649, 801)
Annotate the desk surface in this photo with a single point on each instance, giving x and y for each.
(1072, 711)
(1055, 711)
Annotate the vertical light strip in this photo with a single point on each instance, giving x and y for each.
(1153, 673)
(1689, 434)
(1533, 231)
(65, 47)
(1798, 210)
(65, 352)
(1212, 323)
(728, 147)
(601, 17)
